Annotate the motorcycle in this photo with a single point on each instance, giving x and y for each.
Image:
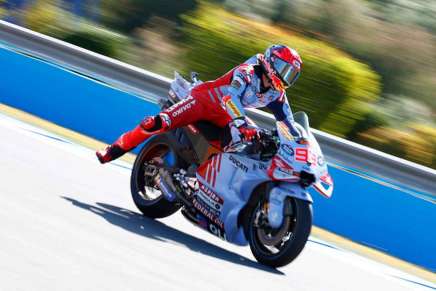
(252, 193)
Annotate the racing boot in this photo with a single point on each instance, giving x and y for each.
(128, 141)
(110, 153)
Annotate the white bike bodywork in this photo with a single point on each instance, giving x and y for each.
(227, 180)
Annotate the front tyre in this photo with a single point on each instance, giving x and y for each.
(146, 194)
(279, 247)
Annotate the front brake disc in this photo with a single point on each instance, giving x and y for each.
(272, 237)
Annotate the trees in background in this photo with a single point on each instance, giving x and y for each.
(128, 15)
(389, 53)
(48, 17)
(416, 12)
(334, 88)
(2, 10)
(397, 38)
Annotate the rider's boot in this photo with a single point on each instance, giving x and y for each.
(110, 153)
(128, 141)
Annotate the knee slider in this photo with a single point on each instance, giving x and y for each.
(155, 123)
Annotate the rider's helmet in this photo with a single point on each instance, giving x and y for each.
(282, 66)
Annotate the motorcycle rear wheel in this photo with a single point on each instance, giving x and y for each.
(145, 193)
(279, 247)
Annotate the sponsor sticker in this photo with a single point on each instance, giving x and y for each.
(212, 195)
(301, 154)
(181, 107)
(212, 201)
(208, 205)
(207, 213)
(312, 158)
(214, 229)
(260, 166)
(238, 164)
(233, 108)
(236, 84)
(287, 152)
(283, 174)
(321, 161)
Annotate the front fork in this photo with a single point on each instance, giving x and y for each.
(277, 201)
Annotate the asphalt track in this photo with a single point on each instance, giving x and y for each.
(68, 223)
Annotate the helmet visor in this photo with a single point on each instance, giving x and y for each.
(286, 71)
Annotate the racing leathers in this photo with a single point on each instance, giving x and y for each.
(221, 102)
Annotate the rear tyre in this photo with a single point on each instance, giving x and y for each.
(279, 247)
(146, 194)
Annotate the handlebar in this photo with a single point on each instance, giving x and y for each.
(268, 134)
(263, 148)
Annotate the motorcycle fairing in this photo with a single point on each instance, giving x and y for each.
(303, 157)
(233, 178)
(277, 199)
(236, 178)
(327, 180)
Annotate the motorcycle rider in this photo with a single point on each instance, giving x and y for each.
(259, 82)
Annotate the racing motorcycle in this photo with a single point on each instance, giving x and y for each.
(252, 193)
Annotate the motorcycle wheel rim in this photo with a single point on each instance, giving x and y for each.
(147, 188)
(272, 242)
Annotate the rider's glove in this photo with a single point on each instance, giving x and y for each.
(248, 133)
(241, 131)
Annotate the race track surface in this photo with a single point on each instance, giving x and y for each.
(68, 223)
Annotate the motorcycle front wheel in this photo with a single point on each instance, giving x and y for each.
(148, 198)
(278, 247)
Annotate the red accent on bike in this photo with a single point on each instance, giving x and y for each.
(301, 155)
(217, 167)
(321, 191)
(279, 163)
(326, 178)
(209, 173)
(213, 162)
